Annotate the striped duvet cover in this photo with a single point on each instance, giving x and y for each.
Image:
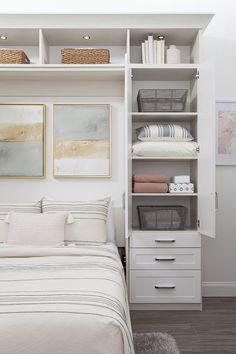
(63, 300)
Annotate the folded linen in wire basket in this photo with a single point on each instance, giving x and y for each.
(181, 188)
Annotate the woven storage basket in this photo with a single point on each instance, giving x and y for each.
(85, 56)
(13, 56)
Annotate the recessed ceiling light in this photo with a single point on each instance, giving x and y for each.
(3, 38)
(160, 37)
(86, 37)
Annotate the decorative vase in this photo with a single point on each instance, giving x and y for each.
(173, 55)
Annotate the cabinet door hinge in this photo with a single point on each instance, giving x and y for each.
(197, 75)
(198, 148)
(198, 223)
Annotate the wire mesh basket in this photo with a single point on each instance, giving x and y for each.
(162, 100)
(167, 217)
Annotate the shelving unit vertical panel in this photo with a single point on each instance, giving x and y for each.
(128, 150)
(128, 45)
(128, 161)
(194, 53)
(43, 48)
(206, 139)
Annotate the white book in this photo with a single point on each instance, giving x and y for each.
(150, 48)
(143, 53)
(155, 51)
(147, 61)
(162, 51)
(159, 49)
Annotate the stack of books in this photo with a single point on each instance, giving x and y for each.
(153, 50)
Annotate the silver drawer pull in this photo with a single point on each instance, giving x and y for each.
(170, 259)
(167, 286)
(165, 240)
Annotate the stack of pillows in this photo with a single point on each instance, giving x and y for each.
(164, 140)
(56, 223)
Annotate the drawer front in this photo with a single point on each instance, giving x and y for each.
(165, 286)
(165, 240)
(165, 258)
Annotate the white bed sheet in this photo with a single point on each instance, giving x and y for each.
(63, 300)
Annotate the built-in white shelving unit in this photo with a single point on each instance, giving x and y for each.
(42, 38)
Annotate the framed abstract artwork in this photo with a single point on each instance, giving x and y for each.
(82, 140)
(226, 133)
(22, 140)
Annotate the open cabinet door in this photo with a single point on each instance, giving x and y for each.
(206, 139)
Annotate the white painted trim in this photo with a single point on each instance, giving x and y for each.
(214, 289)
(166, 307)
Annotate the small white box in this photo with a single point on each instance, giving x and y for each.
(181, 179)
(181, 188)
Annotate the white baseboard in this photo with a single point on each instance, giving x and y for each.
(214, 289)
(166, 307)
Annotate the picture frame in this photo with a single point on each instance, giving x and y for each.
(22, 140)
(81, 140)
(225, 132)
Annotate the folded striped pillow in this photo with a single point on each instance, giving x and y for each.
(163, 132)
(6, 208)
(89, 219)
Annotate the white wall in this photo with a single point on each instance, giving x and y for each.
(219, 261)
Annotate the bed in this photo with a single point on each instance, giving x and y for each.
(63, 300)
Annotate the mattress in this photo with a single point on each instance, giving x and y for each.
(69, 299)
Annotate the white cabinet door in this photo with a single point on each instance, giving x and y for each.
(206, 139)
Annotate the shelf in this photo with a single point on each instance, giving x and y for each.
(162, 116)
(175, 232)
(164, 72)
(164, 194)
(165, 158)
(48, 72)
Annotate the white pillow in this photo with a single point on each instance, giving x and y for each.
(6, 208)
(90, 218)
(36, 229)
(165, 149)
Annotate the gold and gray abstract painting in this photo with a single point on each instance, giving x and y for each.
(82, 140)
(21, 140)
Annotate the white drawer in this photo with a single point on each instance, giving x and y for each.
(170, 239)
(167, 286)
(165, 258)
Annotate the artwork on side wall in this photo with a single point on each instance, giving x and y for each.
(226, 133)
(82, 140)
(22, 140)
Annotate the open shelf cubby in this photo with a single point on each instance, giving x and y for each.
(190, 202)
(187, 42)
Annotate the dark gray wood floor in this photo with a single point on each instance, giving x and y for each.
(212, 331)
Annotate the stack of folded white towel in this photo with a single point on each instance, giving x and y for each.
(181, 184)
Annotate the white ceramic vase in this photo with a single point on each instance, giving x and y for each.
(173, 55)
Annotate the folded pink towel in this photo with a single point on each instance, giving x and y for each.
(150, 177)
(150, 187)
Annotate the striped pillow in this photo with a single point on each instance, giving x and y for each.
(163, 132)
(6, 208)
(89, 219)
